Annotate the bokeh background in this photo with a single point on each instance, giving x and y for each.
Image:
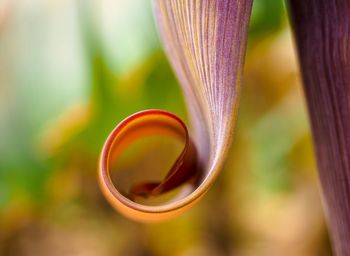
(70, 70)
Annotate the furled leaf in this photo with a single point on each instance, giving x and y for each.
(205, 42)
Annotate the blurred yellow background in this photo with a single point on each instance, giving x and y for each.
(71, 70)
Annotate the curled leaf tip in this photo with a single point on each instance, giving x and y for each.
(143, 124)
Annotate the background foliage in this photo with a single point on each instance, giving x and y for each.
(71, 70)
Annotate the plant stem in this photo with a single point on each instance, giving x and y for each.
(322, 31)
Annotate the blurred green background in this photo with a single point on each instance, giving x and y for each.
(71, 70)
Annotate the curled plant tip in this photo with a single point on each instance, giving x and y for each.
(143, 124)
(205, 42)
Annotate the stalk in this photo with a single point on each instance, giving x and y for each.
(322, 30)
